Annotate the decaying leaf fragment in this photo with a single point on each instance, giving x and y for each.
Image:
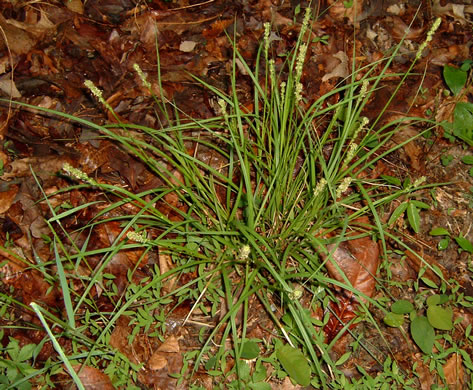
(357, 259)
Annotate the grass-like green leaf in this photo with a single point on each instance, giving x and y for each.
(295, 364)
(413, 217)
(464, 243)
(423, 333)
(57, 347)
(439, 231)
(397, 212)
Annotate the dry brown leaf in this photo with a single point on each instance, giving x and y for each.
(187, 46)
(424, 374)
(75, 6)
(157, 361)
(171, 345)
(416, 263)
(358, 260)
(165, 265)
(413, 152)
(7, 197)
(288, 385)
(119, 339)
(338, 11)
(453, 370)
(32, 25)
(17, 40)
(40, 165)
(8, 86)
(93, 379)
(340, 70)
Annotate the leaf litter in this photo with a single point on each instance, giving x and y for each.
(49, 50)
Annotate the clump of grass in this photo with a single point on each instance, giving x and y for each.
(290, 180)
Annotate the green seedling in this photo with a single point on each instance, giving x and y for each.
(322, 39)
(468, 160)
(445, 240)
(422, 328)
(412, 209)
(456, 80)
(446, 159)
(462, 242)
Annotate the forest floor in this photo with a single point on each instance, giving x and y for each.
(49, 49)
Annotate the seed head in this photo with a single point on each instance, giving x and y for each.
(142, 76)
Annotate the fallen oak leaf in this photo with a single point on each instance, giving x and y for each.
(356, 260)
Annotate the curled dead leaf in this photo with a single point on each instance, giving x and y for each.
(159, 359)
(340, 70)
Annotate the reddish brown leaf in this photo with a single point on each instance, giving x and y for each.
(358, 260)
(453, 370)
(93, 379)
(216, 28)
(6, 198)
(342, 313)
